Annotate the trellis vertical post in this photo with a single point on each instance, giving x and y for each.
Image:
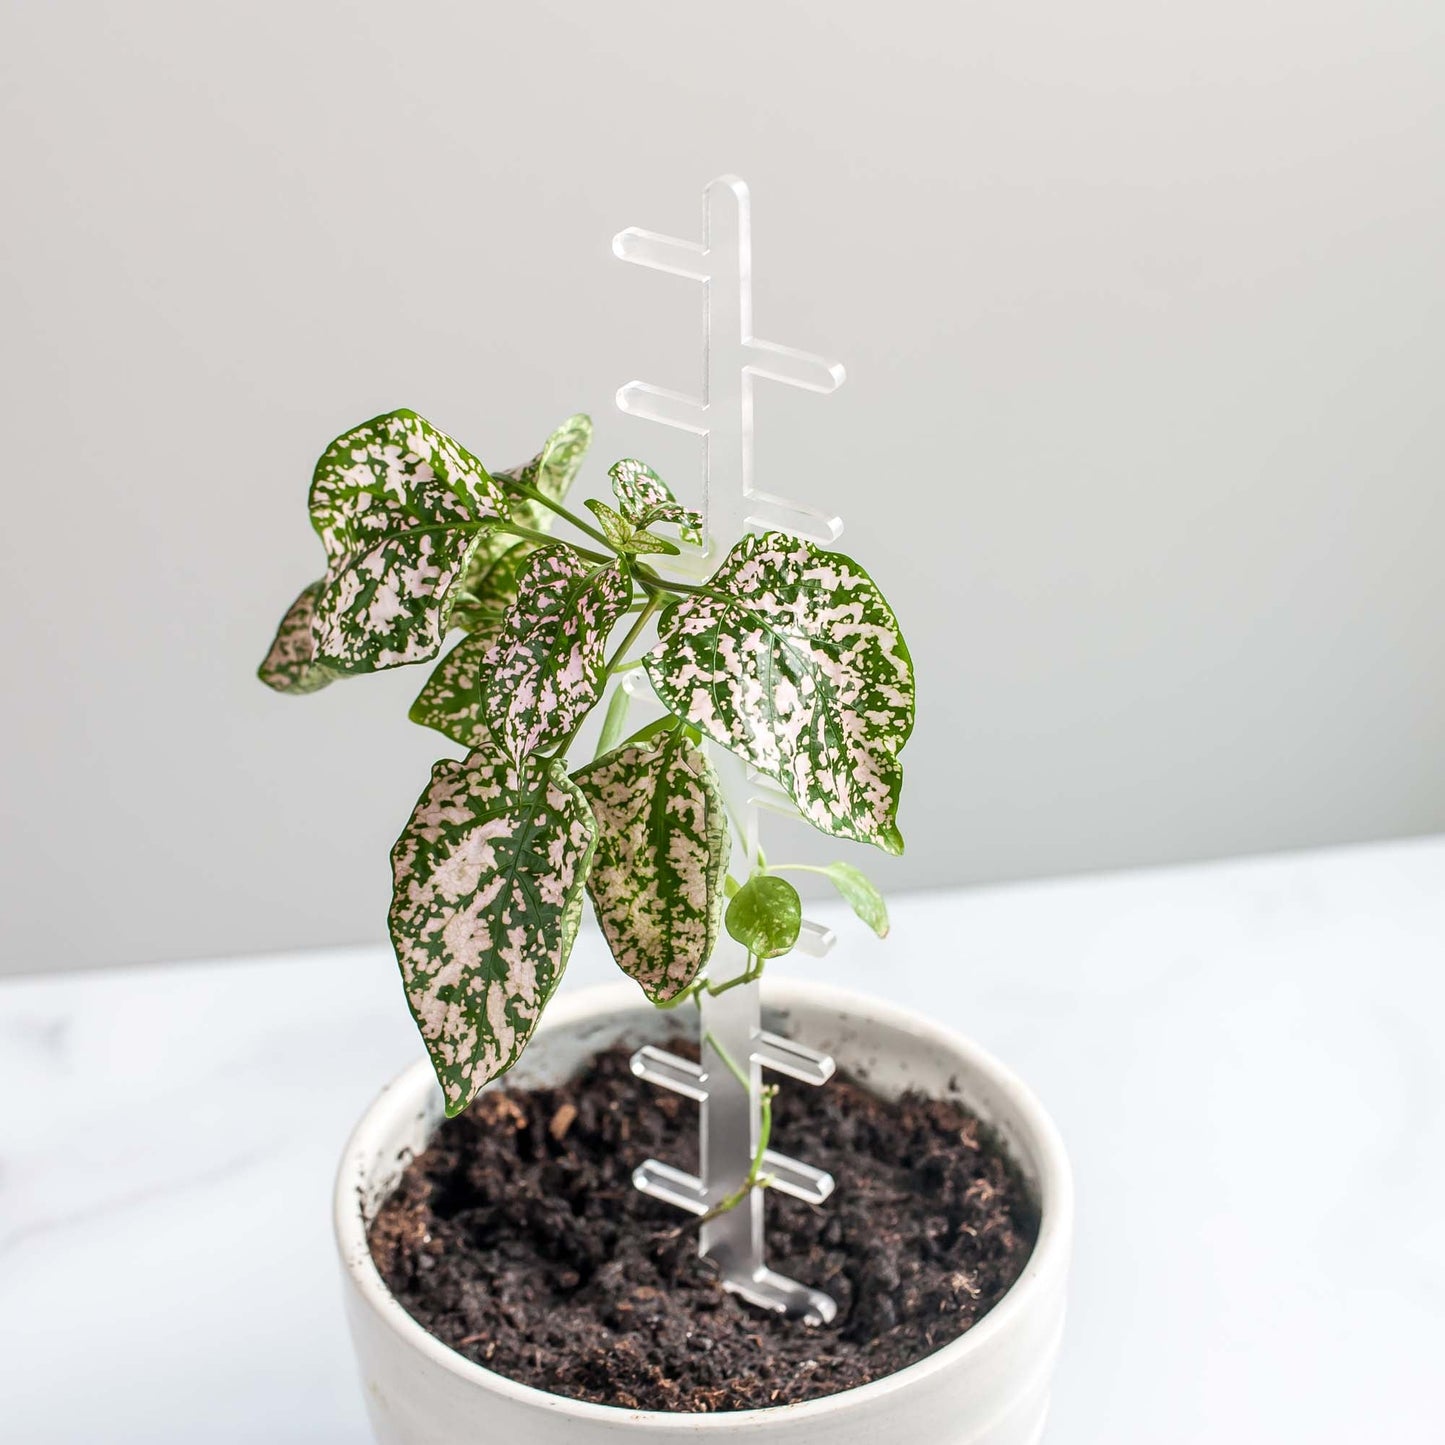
(735, 1047)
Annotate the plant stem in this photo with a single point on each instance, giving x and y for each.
(755, 1179)
(633, 633)
(732, 1068)
(651, 581)
(531, 534)
(753, 974)
(529, 491)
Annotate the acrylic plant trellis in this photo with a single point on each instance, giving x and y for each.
(736, 1048)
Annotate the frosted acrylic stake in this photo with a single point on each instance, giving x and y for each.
(735, 1048)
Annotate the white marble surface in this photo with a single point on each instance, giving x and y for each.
(1245, 1060)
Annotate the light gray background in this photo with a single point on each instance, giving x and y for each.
(1142, 310)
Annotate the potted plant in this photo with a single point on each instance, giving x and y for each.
(565, 1306)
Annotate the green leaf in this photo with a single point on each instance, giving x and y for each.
(617, 529)
(665, 723)
(646, 499)
(552, 471)
(489, 586)
(858, 890)
(549, 665)
(490, 583)
(400, 508)
(662, 849)
(623, 535)
(451, 701)
(765, 916)
(489, 874)
(291, 665)
(794, 661)
(614, 720)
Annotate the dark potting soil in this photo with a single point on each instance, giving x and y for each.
(518, 1239)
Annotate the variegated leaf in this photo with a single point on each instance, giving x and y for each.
(451, 701)
(552, 471)
(488, 876)
(291, 665)
(662, 850)
(624, 536)
(549, 665)
(646, 499)
(491, 576)
(489, 587)
(400, 508)
(793, 660)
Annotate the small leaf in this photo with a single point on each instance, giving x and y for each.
(858, 890)
(489, 874)
(291, 665)
(624, 536)
(646, 499)
(765, 916)
(400, 508)
(616, 528)
(794, 661)
(549, 664)
(662, 849)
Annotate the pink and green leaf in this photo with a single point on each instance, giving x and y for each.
(645, 499)
(552, 471)
(451, 701)
(662, 851)
(489, 586)
(290, 666)
(548, 667)
(793, 660)
(490, 581)
(488, 881)
(400, 508)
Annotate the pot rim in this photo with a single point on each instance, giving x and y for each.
(1055, 1187)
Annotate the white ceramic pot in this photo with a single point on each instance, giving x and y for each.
(989, 1387)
